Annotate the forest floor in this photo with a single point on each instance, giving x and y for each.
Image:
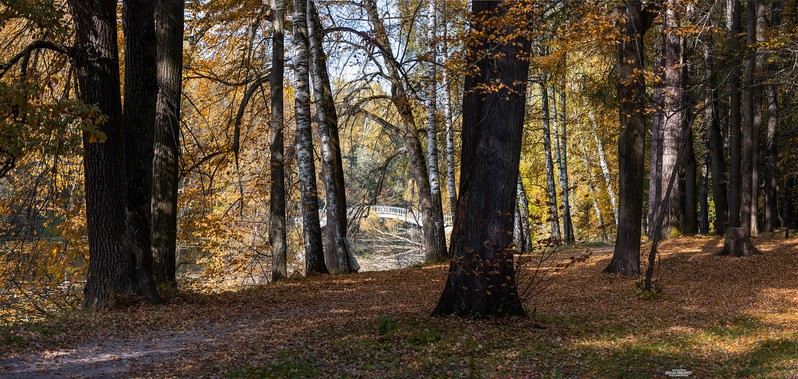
(717, 317)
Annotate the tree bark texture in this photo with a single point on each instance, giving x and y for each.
(735, 107)
(169, 20)
(277, 231)
(337, 257)
(141, 95)
(97, 65)
(311, 227)
(481, 280)
(631, 89)
(656, 147)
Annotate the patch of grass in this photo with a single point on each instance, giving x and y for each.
(386, 325)
(771, 358)
(736, 328)
(286, 365)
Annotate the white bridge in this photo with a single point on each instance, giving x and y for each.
(395, 213)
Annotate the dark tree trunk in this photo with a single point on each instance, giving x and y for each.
(551, 188)
(771, 173)
(337, 257)
(277, 231)
(431, 207)
(169, 34)
(752, 112)
(715, 139)
(631, 143)
(311, 227)
(656, 147)
(690, 215)
(735, 107)
(141, 94)
(481, 280)
(703, 198)
(97, 64)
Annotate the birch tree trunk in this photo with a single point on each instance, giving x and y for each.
(311, 227)
(447, 114)
(593, 193)
(337, 257)
(432, 103)
(169, 20)
(277, 231)
(523, 206)
(551, 188)
(605, 168)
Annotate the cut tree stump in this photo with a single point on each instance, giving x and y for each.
(738, 244)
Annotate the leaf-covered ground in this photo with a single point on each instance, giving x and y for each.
(717, 317)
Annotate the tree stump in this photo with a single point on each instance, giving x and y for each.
(738, 244)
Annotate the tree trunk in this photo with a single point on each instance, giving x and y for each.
(690, 215)
(141, 94)
(605, 168)
(656, 149)
(311, 227)
(738, 244)
(277, 231)
(523, 206)
(735, 106)
(751, 119)
(97, 64)
(715, 139)
(447, 114)
(551, 188)
(771, 173)
(432, 104)
(169, 35)
(481, 280)
(560, 145)
(593, 193)
(703, 197)
(674, 113)
(631, 143)
(338, 257)
(431, 210)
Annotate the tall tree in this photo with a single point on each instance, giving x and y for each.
(655, 170)
(311, 227)
(523, 215)
(561, 151)
(431, 210)
(481, 280)
(277, 231)
(169, 20)
(141, 94)
(447, 117)
(551, 188)
(337, 256)
(632, 107)
(432, 103)
(674, 113)
(735, 106)
(752, 120)
(771, 220)
(97, 64)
